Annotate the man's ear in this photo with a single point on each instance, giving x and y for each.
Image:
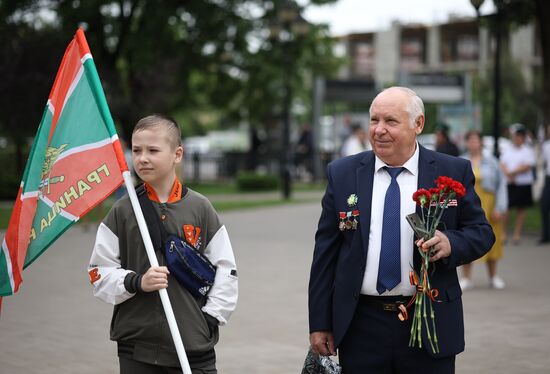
(419, 124)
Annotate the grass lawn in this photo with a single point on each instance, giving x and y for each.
(532, 222)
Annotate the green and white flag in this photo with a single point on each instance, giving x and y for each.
(76, 161)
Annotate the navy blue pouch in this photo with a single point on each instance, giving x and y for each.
(190, 267)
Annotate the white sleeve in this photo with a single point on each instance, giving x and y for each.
(222, 298)
(106, 274)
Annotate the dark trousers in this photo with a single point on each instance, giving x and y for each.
(129, 366)
(545, 210)
(378, 342)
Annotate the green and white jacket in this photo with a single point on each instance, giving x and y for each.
(138, 318)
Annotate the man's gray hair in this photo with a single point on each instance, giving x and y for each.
(415, 107)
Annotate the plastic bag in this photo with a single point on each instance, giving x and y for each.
(316, 364)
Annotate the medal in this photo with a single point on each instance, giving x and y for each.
(348, 220)
(342, 224)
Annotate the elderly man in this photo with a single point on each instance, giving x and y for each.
(353, 292)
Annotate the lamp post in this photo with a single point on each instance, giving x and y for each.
(288, 25)
(496, 73)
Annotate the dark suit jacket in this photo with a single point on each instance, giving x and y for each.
(340, 257)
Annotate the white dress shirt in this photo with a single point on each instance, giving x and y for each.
(408, 184)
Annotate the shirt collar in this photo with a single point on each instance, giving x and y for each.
(175, 194)
(411, 164)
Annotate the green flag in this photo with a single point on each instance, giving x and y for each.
(75, 162)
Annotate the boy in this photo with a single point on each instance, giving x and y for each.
(122, 275)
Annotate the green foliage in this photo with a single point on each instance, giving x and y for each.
(256, 182)
(9, 187)
(208, 62)
(516, 12)
(519, 103)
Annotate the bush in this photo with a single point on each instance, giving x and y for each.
(256, 182)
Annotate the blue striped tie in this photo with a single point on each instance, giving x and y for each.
(389, 268)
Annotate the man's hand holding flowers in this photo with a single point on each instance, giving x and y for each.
(441, 247)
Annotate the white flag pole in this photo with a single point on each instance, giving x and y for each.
(154, 262)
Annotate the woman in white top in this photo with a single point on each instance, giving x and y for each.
(517, 163)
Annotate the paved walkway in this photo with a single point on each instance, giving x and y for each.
(55, 325)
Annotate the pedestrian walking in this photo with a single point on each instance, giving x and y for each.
(492, 190)
(517, 163)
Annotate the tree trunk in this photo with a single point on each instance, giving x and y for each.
(543, 14)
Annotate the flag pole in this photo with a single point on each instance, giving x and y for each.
(154, 262)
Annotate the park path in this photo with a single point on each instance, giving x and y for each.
(55, 325)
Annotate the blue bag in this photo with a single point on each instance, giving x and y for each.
(190, 267)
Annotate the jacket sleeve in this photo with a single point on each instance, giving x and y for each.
(222, 297)
(325, 255)
(106, 274)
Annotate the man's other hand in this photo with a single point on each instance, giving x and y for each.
(322, 342)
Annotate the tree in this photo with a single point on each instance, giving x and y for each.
(542, 14)
(159, 56)
(520, 12)
(27, 72)
(519, 103)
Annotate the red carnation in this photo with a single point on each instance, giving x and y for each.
(444, 182)
(422, 196)
(434, 192)
(458, 189)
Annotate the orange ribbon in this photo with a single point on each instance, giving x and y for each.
(432, 293)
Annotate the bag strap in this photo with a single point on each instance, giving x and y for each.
(154, 224)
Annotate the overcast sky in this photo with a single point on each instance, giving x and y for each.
(348, 16)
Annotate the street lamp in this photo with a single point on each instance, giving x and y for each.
(496, 73)
(287, 25)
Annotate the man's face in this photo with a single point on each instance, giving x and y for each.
(391, 135)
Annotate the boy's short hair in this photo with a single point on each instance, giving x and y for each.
(154, 121)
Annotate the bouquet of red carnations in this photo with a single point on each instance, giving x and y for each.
(433, 203)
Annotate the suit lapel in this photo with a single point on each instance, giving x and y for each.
(427, 173)
(365, 177)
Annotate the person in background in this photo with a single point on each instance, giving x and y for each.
(443, 143)
(303, 157)
(356, 142)
(517, 162)
(545, 197)
(491, 188)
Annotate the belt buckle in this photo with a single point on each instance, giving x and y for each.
(389, 307)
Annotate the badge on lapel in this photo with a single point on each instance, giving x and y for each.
(352, 200)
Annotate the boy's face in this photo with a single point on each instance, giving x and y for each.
(154, 156)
